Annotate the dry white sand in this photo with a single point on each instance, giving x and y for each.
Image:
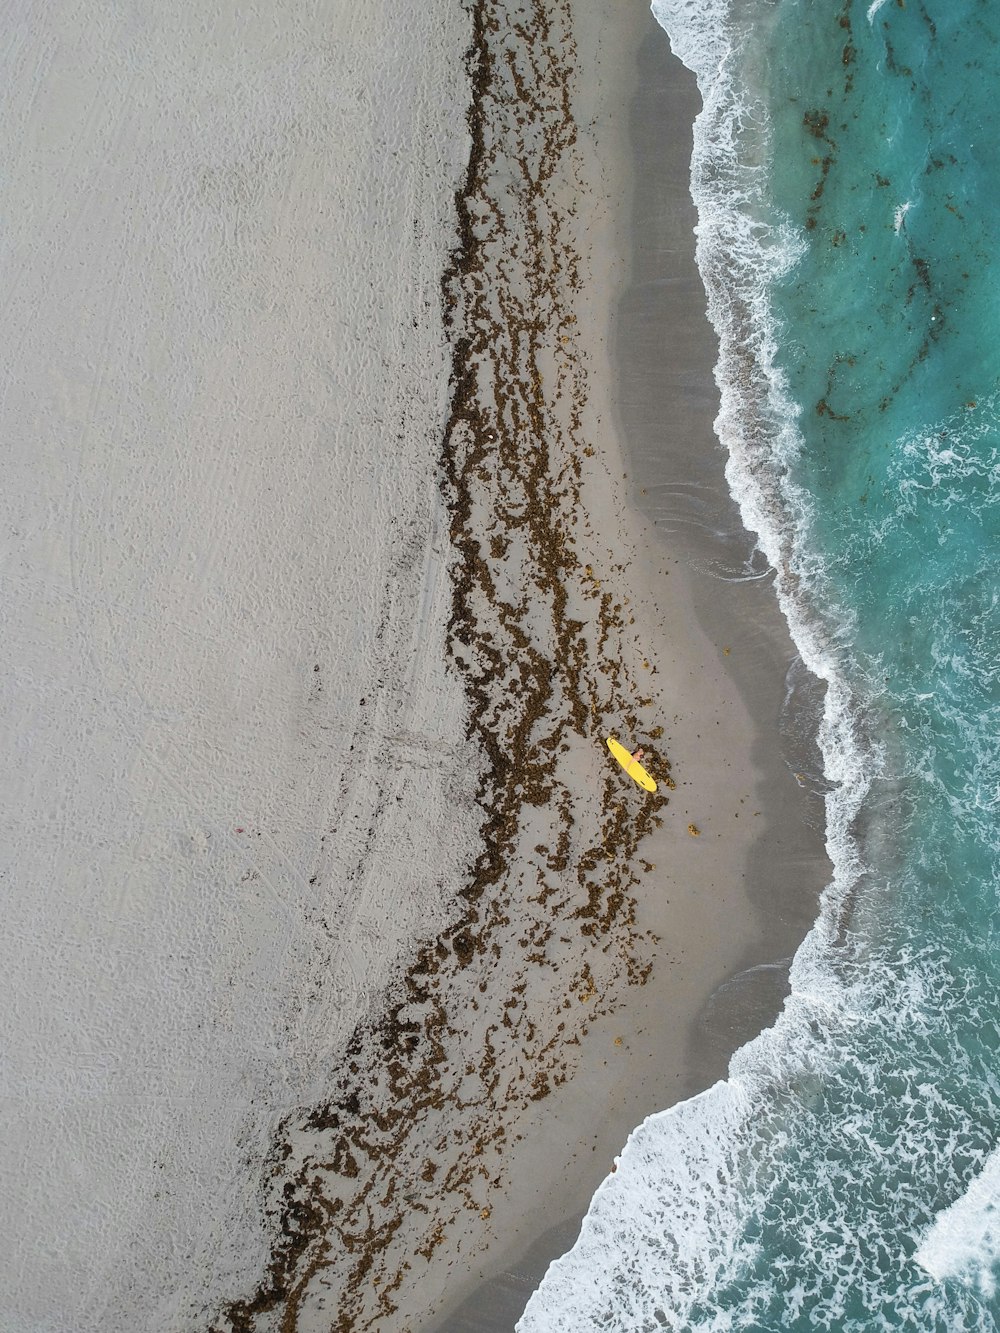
(229, 790)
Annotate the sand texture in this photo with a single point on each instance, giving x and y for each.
(230, 793)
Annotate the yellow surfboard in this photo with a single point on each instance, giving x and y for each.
(631, 766)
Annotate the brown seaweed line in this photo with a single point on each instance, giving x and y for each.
(498, 429)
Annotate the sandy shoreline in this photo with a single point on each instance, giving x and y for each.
(361, 959)
(587, 976)
(664, 354)
(664, 401)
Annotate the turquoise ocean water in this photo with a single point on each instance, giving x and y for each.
(847, 1176)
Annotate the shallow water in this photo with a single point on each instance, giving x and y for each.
(843, 1178)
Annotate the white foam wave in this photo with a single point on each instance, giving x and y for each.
(964, 1241)
(682, 1207)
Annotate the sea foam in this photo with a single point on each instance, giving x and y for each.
(964, 1241)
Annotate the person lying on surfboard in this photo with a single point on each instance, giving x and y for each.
(630, 763)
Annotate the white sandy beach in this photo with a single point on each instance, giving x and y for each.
(232, 790)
